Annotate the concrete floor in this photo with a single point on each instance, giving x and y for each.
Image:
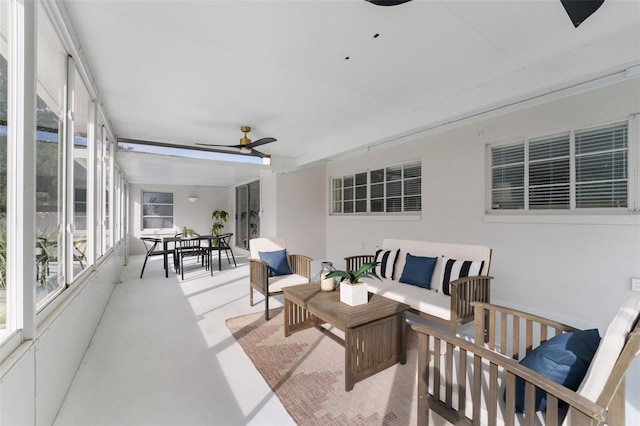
(162, 354)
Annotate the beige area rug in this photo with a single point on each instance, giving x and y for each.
(306, 371)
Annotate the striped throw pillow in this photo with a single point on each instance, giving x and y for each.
(453, 269)
(387, 266)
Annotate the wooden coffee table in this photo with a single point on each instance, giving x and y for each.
(375, 333)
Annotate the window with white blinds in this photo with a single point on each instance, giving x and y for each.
(393, 189)
(574, 170)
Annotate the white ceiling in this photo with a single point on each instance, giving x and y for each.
(182, 72)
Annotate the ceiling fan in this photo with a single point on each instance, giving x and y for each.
(246, 146)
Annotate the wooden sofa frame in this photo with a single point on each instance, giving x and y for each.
(504, 346)
(463, 291)
(259, 277)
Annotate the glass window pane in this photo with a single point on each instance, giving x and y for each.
(507, 154)
(361, 206)
(412, 187)
(51, 89)
(377, 176)
(412, 204)
(348, 181)
(81, 160)
(394, 173)
(549, 147)
(377, 206)
(158, 197)
(412, 170)
(106, 207)
(602, 139)
(348, 207)
(361, 192)
(394, 205)
(5, 311)
(507, 199)
(377, 190)
(549, 197)
(348, 194)
(156, 213)
(394, 189)
(361, 179)
(602, 194)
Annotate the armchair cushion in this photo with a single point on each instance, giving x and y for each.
(277, 261)
(418, 270)
(565, 359)
(453, 269)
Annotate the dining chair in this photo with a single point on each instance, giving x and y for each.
(190, 246)
(151, 245)
(225, 244)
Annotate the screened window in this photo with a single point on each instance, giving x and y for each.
(157, 210)
(569, 171)
(393, 189)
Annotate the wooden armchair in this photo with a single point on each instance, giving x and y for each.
(465, 382)
(259, 278)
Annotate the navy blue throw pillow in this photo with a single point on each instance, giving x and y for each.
(564, 358)
(418, 270)
(277, 261)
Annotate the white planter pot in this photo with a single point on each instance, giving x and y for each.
(354, 294)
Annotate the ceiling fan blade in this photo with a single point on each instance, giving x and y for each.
(257, 153)
(261, 142)
(222, 146)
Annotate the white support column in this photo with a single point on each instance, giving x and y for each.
(21, 235)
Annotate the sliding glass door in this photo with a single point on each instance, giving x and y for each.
(247, 213)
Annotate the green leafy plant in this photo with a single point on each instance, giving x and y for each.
(220, 217)
(365, 271)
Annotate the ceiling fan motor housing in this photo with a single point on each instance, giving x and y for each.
(245, 140)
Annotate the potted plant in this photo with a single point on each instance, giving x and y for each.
(353, 291)
(220, 217)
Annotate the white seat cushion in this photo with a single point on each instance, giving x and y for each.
(421, 299)
(281, 281)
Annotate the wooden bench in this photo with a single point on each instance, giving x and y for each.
(490, 371)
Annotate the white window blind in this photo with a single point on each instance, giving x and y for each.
(549, 172)
(579, 169)
(601, 167)
(507, 177)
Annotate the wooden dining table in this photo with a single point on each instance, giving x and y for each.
(168, 240)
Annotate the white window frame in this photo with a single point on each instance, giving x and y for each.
(597, 215)
(368, 212)
(142, 215)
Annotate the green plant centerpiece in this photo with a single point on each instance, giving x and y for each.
(220, 217)
(353, 291)
(353, 277)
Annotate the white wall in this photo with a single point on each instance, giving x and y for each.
(35, 379)
(576, 273)
(294, 206)
(196, 216)
(302, 211)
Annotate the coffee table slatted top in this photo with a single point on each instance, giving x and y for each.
(342, 315)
